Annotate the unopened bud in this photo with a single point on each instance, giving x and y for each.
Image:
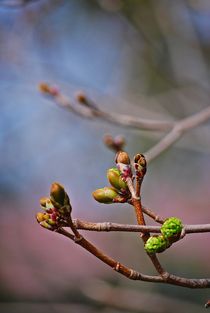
(46, 204)
(105, 195)
(119, 141)
(140, 164)
(81, 97)
(60, 199)
(122, 157)
(44, 87)
(57, 193)
(46, 225)
(40, 217)
(108, 140)
(46, 220)
(140, 160)
(114, 177)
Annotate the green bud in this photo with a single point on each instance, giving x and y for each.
(57, 193)
(46, 225)
(113, 175)
(156, 244)
(171, 228)
(46, 204)
(40, 217)
(105, 195)
(51, 222)
(59, 198)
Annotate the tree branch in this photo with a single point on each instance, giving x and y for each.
(88, 109)
(109, 227)
(85, 108)
(177, 131)
(132, 274)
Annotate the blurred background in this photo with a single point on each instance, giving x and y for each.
(146, 58)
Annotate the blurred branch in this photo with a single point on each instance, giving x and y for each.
(86, 108)
(178, 131)
(120, 297)
(16, 3)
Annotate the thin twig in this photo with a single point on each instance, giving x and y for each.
(153, 215)
(109, 227)
(177, 131)
(114, 118)
(136, 202)
(118, 267)
(132, 274)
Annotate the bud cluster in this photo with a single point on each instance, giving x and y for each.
(57, 208)
(170, 232)
(121, 179)
(118, 191)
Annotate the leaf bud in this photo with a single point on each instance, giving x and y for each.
(46, 204)
(59, 197)
(40, 217)
(115, 179)
(172, 228)
(156, 244)
(105, 195)
(140, 164)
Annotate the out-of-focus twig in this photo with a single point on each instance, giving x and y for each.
(179, 128)
(84, 107)
(88, 109)
(16, 3)
(114, 143)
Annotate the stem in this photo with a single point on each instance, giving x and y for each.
(140, 219)
(177, 131)
(154, 216)
(139, 214)
(132, 274)
(108, 227)
(118, 267)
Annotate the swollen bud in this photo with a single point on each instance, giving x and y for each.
(46, 204)
(172, 228)
(45, 220)
(156, 244)
(59, 197)
(140, 165)
(122, 157)
(114, 177)
(40, 217)
(46, 225)
(57, 193)
(105, 195)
